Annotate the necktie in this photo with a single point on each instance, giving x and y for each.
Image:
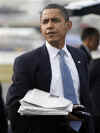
(69, 90)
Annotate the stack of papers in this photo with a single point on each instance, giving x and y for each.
(38, 102)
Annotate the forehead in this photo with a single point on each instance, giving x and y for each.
(51, 13)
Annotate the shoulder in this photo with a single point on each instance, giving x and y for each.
(78, 54)
(31, 55)
(76, 51)
(96, 61)
(95, 64)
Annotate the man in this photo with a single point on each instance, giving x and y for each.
(94, 71)
(90, 37)
(41, 69)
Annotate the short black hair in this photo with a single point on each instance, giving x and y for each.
(63, 10)
(88, 32)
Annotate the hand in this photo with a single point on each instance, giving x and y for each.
(78, 107)
(73, 117)
(76, 113)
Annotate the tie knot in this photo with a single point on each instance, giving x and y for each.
(61, 52)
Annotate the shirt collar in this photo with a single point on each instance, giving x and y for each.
(51, 50)
(54, 51)
(66, 50)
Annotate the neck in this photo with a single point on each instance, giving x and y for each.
(57, 44)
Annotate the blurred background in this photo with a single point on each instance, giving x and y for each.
(20, 28)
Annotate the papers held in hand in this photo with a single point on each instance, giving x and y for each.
(38, 102)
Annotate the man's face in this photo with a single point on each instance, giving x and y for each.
(53, 27)
(94, 42)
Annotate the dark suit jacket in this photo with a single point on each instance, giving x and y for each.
(3, 118)
(88, 55)
(94, 70)
(33, 70)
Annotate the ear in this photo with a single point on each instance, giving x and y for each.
(69, 25)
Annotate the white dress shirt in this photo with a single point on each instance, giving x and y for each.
(56, 87)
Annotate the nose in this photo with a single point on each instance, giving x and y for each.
(50, 24)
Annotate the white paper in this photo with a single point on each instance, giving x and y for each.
(42, 103)
(44, 99)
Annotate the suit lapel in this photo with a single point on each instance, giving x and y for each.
(76, 58)
(79, 67)
(45, 67)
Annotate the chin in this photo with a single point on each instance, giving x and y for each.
(54, 43)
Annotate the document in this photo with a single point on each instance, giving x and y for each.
(38, 102)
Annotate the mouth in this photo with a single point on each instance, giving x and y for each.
(51, 33)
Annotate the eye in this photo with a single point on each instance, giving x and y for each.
(56, 20)
(45, 21)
